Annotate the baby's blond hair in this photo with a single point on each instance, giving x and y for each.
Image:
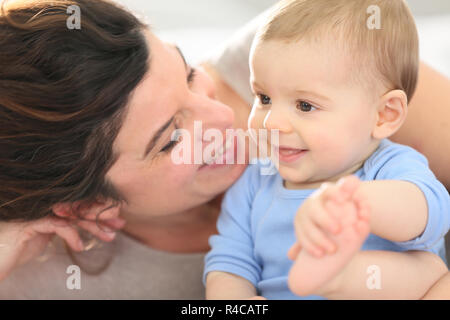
(389, 54)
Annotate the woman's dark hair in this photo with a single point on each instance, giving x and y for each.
(63, 97)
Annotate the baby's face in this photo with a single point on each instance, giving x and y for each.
(325, 120)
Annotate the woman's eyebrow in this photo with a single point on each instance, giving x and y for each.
(151, 144)
(182, 56)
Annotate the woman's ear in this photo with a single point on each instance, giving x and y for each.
(63, 210)
(391, 114)
(90, 211)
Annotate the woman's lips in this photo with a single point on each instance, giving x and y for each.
(225, 157)
(289, 155)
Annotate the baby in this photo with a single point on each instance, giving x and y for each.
(361, 216)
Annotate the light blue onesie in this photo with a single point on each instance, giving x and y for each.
(256, 223)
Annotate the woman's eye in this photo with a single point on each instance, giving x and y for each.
(176, 137)
(305, 106)
(169, 146)
(264, 99)
(191, 75)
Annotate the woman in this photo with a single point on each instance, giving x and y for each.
(86, 119)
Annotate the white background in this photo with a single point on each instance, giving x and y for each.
(198, 26)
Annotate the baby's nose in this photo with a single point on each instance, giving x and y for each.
(277, 120)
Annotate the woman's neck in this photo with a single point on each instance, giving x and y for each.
(186, 232)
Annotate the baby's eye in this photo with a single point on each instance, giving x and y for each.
(264, 99)
(305, 106)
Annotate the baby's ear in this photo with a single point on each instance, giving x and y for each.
(391, 114)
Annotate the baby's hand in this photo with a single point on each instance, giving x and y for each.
(326, 212)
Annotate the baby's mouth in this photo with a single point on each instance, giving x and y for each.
(289, 151)
(287, 154)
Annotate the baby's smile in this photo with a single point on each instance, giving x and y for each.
(289, 155)
(324, 120)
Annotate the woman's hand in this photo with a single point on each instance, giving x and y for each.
(21, 242)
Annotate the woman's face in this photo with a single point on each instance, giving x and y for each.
(168, 98)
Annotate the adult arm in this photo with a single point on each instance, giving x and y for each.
(427, 126)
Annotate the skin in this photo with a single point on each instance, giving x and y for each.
(427, 126)
(162, 213)
(182, 224)
(441, 290)
(330, 101)
(429, 106)
(314, 103)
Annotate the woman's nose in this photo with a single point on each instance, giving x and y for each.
(204, 84)
(207, 109)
